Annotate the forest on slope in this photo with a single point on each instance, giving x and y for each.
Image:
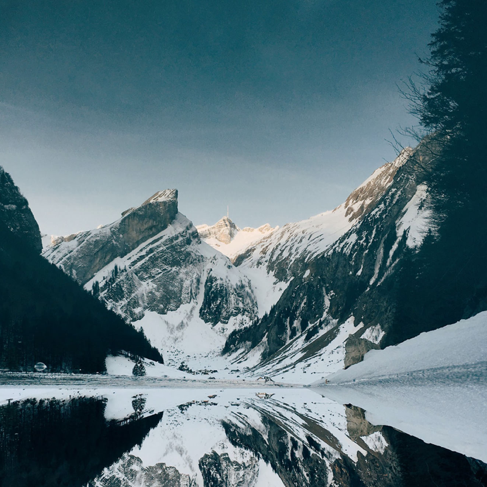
(44, 315)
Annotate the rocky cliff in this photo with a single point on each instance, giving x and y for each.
(84, 254)
(152, 268)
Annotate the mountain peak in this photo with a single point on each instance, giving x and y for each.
(361, 200)
(165, 195)
(228, 238)
(403, 157)
(224, 230)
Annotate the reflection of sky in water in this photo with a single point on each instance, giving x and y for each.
(206, 437)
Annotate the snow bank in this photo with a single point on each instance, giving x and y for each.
(462, 343)
(433, 386)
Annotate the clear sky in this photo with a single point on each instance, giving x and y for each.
(277, 108)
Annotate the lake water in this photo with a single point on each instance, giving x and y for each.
(211, 437)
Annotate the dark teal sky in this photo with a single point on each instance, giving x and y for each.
(277, 108)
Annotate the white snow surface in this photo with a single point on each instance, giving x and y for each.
(416, 218)
(433, 386)
(121, 365)
(234, 242)
(462, 343)
(374, 334)
(308, 237)
(293, 366)
(376, 442)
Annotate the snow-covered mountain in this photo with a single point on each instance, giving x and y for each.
(152, 268)
(299, 242)
(304, 298)
(340, 272)
(229, 239)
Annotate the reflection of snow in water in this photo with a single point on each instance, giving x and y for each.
(247, 434)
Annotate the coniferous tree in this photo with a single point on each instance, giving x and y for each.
(454, 104)
(447, 280)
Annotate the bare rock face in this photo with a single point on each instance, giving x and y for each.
(222, 300)
(133, 472)
(218, 470)
(366, 196)
(82, 255)
(16, 214)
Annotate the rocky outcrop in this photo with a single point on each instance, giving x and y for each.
(81, 256)
(152, 261)
(223, 230)
(222, 300)
(15, 213)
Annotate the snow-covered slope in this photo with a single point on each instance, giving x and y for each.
(279, 251)
(463, 343)
(337, 269)
(433, 386)
(152, 268)
(229, 239)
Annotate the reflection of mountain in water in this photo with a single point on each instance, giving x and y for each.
(232, 439)
(63, 443)
(294, 438)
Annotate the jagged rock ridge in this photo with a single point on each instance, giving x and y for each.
(88, 252)
(229, 239)
(152, 268)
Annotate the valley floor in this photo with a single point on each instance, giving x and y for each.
(433, 387)
(22, 381)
